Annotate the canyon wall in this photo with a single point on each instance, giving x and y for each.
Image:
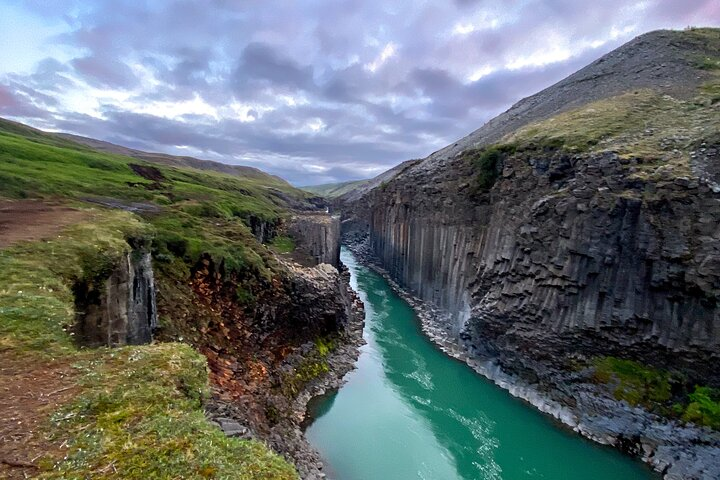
(317, 235)
(598, 233)
(566, 253)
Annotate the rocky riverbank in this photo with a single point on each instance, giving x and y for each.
(678, 451)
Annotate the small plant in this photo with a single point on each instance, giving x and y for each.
(487, 163)
(244, 296)
(325, 345)
(633, 382)
(283, 244)
(704, 407)
(707, 63)
(314, 365)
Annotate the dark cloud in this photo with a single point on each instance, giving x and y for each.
(313, 91)
(14, 104)
(263, 64)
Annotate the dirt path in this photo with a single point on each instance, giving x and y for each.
(28, 220)
(29, 393)
(31, 389)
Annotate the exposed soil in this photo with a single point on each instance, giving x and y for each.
(29, 393)
(31, 220)
(147, 172)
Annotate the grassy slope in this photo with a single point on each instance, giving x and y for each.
(139, 413)
(642, 124)
(203, 211)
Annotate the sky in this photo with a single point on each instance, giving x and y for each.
(314, 91)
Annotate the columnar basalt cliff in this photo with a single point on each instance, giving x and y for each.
(318, 236)
(121, 310)
(583, 224)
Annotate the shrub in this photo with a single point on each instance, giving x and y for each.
(704, 407)
(633, 382)
(487, 164)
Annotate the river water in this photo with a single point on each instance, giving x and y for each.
(410, 412)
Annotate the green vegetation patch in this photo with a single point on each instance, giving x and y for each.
(633, 382)
(283, 244)
(659, 129)
(651, 388)
(487, 164)
(193, 212)
(601, 122)
(707, 63)
(704, 407)
(36, 302)
(334, 190)
(314, 365)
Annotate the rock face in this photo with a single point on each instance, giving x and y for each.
(570, 254)
(563, 253)
(122, 309)
(317, 235)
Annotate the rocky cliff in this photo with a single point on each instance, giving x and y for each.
(317, 235)
(582, 224)
(274, 336)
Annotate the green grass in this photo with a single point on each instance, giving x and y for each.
(707, 63)
(200, 212)
(139, 411)
(36, 303)
(651, 388)
(704, 407)
(633, 382)
(139, 414)
(635, 125)
(333, 190)
(603, 124)
(31, 168)
(140, 417)
(283, 244)
(311, 367)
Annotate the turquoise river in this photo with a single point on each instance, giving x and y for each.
(408, 411)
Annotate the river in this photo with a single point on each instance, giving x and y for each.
(408, 411)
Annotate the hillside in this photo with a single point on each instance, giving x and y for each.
(573, 244)
(174, 160)
(102, 249)
(332, 190)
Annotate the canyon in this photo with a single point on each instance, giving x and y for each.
(568, 250)
(579, 227)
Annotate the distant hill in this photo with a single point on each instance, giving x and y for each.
(332, 190)
(69, 140)
(351, 191)
(174, 160)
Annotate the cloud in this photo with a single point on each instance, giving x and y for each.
(314, 91)
(263, 65)
(105, 72)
